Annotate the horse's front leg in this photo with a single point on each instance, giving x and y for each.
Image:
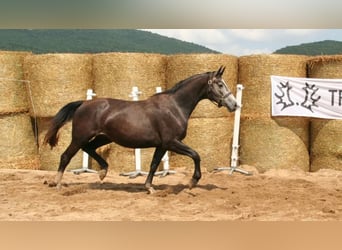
(183, 149)
(157, 156)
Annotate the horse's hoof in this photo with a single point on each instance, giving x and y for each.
(52, 184)
(102, 174)
(151, 190)
(192, 183)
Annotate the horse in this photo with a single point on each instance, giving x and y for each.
(160, 121)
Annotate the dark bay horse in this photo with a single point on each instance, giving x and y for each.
(160, 121)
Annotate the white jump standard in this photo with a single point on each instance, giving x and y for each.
(235, 144)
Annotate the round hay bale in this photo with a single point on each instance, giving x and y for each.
(180, 67)
(121, 159)
(116, 73)
(280, 143)
(211, 138)
(326, 135)
(326, 147)
(55, 80)
(49, 158)
(325, 67)
(255, 75)
(12, 88)
(17, 147)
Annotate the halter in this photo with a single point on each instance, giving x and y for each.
(211, 93)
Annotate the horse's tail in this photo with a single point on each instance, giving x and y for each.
(64, 115)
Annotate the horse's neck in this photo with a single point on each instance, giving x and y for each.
(190, 94)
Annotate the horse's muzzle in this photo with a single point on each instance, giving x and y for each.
(234, 108)
(229, 102)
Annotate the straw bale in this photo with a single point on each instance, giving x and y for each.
(280, 143)
(56, 79)
(180, 67)
(17, 146)
(325, 67)
(49, 158)
(13, 93)
(116, 73)
(211, 138)
(326, 147)
(254, 75)
(121, 159)
(326, 135)
(21, 162)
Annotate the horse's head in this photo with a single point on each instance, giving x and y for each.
(219, 92)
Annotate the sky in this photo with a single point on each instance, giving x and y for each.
(241, 42)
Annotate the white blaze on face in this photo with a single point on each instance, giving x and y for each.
(228, 100)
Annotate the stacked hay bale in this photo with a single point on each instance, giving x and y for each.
(116, 73)
(114, 76)
(12, 87)
(210, 129)
(268, 142)
(17, 148)
(55, 80)
(326, 135)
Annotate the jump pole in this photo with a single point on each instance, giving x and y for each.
(137, 152)
(166, 168)
(236, 134)
(85, 160)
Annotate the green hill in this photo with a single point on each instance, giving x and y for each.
(94, 41)
(326, 47)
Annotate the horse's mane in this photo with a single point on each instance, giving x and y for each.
(180, 84)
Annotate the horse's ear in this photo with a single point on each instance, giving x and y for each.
(220, 71)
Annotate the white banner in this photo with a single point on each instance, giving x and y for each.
(321, 98)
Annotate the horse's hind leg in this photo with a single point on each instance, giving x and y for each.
(64, 161)
(157, 156)
(90, 149)
(181, 148)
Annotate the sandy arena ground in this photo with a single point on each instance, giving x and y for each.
(276, 195)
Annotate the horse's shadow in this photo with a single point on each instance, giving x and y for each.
(139, 188)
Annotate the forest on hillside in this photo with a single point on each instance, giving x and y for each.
(94, 41)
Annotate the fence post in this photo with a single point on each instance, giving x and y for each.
(235, 145)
